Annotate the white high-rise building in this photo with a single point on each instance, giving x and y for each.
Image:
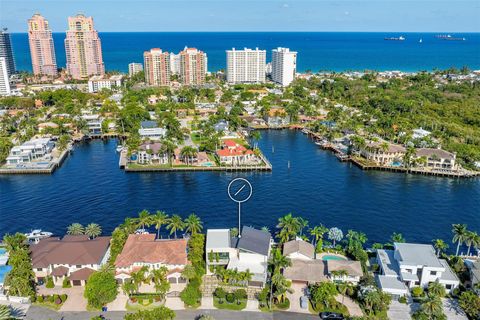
(175, 63)
(4, 82)
(246, 66)
(284, 66)
(134, 68)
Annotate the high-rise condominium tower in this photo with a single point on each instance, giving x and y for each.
(4, 82)
(42, 50)
(156, 64)
(6, 51)
(134, 68)
(193, 66)
(83, 48)
(246, 66)
(284, 66)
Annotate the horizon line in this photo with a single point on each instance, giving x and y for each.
(246, 31)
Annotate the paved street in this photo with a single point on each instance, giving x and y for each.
(37, 313)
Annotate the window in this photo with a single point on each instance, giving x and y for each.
(448, 286)
(78, 266)
(39, 269)
(433, 273)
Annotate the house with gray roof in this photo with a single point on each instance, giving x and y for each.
(249, 252)
(410, 265)
(437, 158)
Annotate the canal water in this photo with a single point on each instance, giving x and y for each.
(89, 187)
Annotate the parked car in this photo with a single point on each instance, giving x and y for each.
(331, 316)
(303, 302)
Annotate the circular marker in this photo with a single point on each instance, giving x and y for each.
(239, 190)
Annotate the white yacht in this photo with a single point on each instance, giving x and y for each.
(37, 235)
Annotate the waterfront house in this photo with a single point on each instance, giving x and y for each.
(233, 153)
(299, 249)
(474, 272)
(305, 272)
(33, 150)
(249, 252)
(144, 250)
(73, 257)
(409, 265)
(277, 118)
(383, 153)
(344, 270)
(221, 126)
(150, 130)
(94, 123)
(436, 158)
(152, 153)
(420, 133)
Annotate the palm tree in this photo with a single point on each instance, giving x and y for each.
(14, 242)
(335, 234)
(265, 229)
(75, 229)
(159, 219)
(175, 223)
(432, 306)
(317, 232)
(193, 224)
(5, 312)
(234, 232)
(470, 240)
(439, 246)
(436, 289)
(169, 148)
(188, 153)
(93, 230)
(303, 224)
(255, 135)
(144, 219)
(277, 263)
(289, 227)
(397, 237)
(129, 288)
(459, 235)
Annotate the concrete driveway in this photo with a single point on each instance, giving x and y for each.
(294, 297)
(75, 301)
(119, 304)
(401, 311)
(452, 310)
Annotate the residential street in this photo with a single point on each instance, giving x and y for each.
(37, 313)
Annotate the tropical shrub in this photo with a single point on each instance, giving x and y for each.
(101, 288)
(402, 299)
(49, 284)
(160, 313)
(417, 292)
(66, 283)
(230, 297)
(470, 303)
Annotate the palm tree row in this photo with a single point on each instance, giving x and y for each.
(192, 224)
(461, 235)
(92, 230)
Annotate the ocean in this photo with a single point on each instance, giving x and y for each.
(317, 51)
(89, 187)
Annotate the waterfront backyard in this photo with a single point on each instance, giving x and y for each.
(305, 180)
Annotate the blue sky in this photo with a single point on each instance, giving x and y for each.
(250, 15)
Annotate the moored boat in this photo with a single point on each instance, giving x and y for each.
(37, 234)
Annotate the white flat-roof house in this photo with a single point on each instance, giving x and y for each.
(150, 129)
(250, 252)
(94, 123)
(35, 149)
(410, 265)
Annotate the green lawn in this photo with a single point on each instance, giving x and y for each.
(229, 306)
(49, 305)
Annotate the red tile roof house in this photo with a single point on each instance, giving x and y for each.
(74, 257)
(143, 250)
(233, 153)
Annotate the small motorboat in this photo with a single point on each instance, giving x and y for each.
(37, 234)
(141, 231)
(119, 148)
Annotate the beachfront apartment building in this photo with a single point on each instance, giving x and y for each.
(157, 67)
(42, 50)
(149, 129)
(134, 68)
(248, 252)
(33, 150)
(97, 83)
(6, 51)
(410, 265)
(175, 63)
(83, 48)
(383, 153)
(246, 66)
(284, 66)
(73, 258)
(193, 66)
(4, 79)
(144, 250)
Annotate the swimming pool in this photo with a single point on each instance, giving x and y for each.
(3, 251)
(3, 272)
(332, 257)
